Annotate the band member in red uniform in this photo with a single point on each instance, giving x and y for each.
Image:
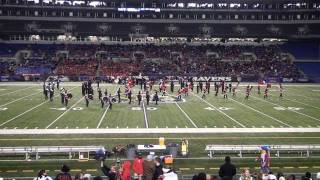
(234, 93)
(225, 93)
(163, 88)
(130, 83)
(191, 86)
(186, 91)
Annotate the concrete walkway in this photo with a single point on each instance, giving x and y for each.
(157, 131)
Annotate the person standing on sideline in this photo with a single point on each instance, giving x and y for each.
(227, 170)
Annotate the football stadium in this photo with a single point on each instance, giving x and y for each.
(171, 89)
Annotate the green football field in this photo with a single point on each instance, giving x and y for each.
(24, 107)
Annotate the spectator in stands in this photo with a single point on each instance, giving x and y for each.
(257, 176)
(125, 171)
(64, 174)
(98, 178)
(149, 168)
(78, 176)
(82, 176)
(246, 175)
(169, 174)
(202, 176)
(318, 176)
(42, 175)
(280, 176)
(158, 171)
(138, 167)
(227, 170)
(211, 177)
(291, 177)
(307, 176)
(195, 177)
(271, 176)
(110, 172)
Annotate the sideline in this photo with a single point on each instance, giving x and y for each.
(157, 130)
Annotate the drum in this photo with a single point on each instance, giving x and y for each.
(69, 95)
(105, 98)
(90, 96)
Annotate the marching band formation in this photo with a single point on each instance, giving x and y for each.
(146, 87)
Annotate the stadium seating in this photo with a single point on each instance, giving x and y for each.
(156, 61)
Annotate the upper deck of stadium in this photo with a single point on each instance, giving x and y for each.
(124, 19)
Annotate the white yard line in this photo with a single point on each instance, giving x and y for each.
(261, 113)
(64, 113)
(145, 115)
(29, 110)
(157, 130)
(186, 115)
(288, 109)
(18, 99)
(15, 91)
(104, 114)
(302, 103)
(24, 113)
(306, 97)
(219, 110)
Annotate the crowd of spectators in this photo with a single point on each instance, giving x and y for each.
(156, 60)
(153, 168)
(77, 67)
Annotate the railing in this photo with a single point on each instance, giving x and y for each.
(240, 149)
(36, 150)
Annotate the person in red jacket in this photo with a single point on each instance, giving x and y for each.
(125, 171)
(138, 167)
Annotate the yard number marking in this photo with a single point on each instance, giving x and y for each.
(139, 108)
(221, 108)
(289, 108)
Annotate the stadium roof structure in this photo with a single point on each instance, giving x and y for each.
(124, 19)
